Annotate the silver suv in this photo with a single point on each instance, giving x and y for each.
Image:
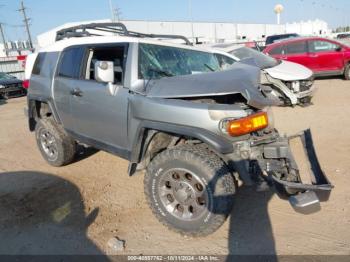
(178, 112)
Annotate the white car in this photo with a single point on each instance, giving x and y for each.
(289, 82)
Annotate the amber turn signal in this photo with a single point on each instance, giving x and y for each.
(248, 124)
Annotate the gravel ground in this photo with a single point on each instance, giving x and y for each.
(77, 209)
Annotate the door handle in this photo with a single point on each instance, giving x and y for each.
(76, 92)
(313, 55)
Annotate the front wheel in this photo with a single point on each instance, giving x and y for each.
(189, 189)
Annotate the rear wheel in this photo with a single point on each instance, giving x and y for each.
(56, 147)
(347, 72)
(190, 190)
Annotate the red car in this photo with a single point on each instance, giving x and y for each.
(323, 56)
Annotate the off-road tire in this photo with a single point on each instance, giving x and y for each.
(210, 170)
(347, 72)
(64, 144)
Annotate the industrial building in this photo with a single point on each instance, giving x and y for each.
(210, 32)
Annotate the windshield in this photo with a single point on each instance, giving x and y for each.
(263, 61)
(5, 76)
(156, 61)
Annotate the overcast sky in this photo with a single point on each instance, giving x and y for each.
(47, 14)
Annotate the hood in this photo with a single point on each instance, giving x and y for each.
(241, 79)
(10, 81)
(289, 71)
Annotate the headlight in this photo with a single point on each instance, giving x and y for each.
(306, 84)
(245, 125)
(2, 86)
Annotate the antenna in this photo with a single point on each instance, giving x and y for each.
(26, 23)
(191, 18)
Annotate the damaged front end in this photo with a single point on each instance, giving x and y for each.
(288, 92)
(288, 163)
(260, 155)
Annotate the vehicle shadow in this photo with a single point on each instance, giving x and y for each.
(83, 153)
(341, 77)
(42, 214)
(2, 101)
(250, 231)
(250, 236)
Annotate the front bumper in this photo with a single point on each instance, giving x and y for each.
(12, 91)
(315, 177)
(307, 93)
(288, 163)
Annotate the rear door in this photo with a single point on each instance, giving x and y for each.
(297, 52)
(67, 76)
(327, 56)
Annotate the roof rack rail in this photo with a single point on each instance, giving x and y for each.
(117, 28)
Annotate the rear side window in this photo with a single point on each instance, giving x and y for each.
(322, 46)
(38, 65)
(278, 50)
(71, 62)
(296, 48)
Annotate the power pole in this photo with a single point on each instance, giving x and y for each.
(26, 23)
(117, 14)
(3, 39)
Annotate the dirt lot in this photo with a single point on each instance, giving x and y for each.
(76, 209)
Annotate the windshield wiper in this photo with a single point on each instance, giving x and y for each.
(161, 72)
(209, 67)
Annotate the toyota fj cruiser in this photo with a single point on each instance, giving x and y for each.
(171, 110)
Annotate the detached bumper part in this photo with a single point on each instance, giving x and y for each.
(318, 187)
(305, 203)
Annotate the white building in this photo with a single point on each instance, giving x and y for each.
(210, 32)
(315, 28)
(2, 50)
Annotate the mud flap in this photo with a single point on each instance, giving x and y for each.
(314, 186)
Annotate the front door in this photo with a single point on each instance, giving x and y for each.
(101, 114)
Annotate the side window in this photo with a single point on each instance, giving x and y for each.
(296, 48)
(38, 63)
(224, 61)
(71, 62)
(278, 50)
(115, 54)
(322, 46)
(48, 67)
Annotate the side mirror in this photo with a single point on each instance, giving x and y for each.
(104, 71)
(338, 49)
